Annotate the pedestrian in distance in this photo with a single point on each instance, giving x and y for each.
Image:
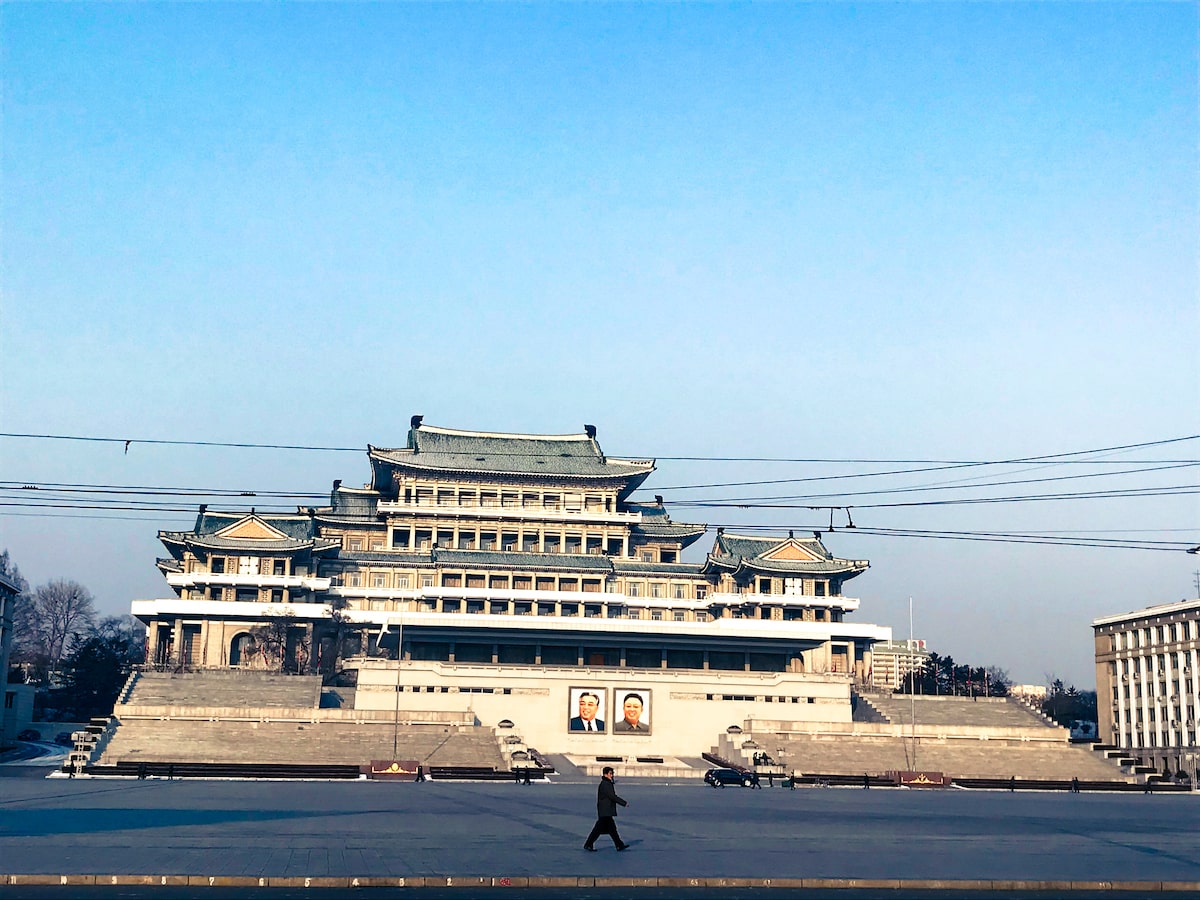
(754, 781)
(866, 782)
(1074, 785)
(607, 802)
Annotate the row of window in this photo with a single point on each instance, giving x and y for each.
(403, 581)
(248, 595)
(521, 541)
(1162, 665)
(1174, 738)
(589, 610)
(247, 565)
(1174, 716)
(1177, 688)
(1156, 634)
(548, 500)
(658, 590)
(569, 655)
(529, 608)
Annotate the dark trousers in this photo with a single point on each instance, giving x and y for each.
(604, 825)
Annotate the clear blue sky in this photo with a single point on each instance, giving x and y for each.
(887, 231)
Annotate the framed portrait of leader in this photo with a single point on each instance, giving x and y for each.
(631, 711)
(586, 710)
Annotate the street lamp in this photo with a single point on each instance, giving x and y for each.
(396, 710)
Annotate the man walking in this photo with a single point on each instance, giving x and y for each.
(607, 802)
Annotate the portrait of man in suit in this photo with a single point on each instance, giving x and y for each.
(588, 704)
(635, 707)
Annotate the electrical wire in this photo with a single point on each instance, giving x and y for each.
(1171, 491)
(128, 442)
(949, 487)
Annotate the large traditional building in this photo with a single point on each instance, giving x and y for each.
(1146, 683)
(514, 576)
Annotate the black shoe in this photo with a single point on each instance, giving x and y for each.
(623, 847)
(589, 849)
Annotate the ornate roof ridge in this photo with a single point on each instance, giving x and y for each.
(461, 432)
(769, 537)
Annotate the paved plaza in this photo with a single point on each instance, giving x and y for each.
(498, 830)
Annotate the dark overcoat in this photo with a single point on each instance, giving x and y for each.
(607, 800)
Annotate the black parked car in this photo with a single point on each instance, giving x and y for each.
(29, 735)
(722, 777)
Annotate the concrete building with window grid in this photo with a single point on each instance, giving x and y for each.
(9, 596)
(1146, 683)
(504, 574)
(893, 661)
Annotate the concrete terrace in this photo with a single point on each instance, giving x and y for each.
(957, 757)
(292, 743)
(957, 712)
(223, 689)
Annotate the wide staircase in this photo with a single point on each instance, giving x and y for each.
(255, 724)
(218, 689)
(854, 755)
(968, 740)
(983, 712)
(291, 743)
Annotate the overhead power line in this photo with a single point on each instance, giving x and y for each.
(1172, 491)
(129, 442)
(942, 487)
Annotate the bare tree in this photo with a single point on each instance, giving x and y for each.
(61, 609)
(281, 643)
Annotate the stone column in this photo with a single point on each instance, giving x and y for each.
(177, 634)
(151, 643)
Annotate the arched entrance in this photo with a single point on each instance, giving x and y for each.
(242, 649)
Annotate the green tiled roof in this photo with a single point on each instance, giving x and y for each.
(743, 545)
(648, 510)
(216, 543)
(568, 455)
(367, 524)
(297, 527)
(394, 559)
(687, 534)
(743, 555)
(793, 567)
(636, 567)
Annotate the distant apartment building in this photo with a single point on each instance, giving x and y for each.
(1033, 693)
(1146, 696)
(894, 661)
(8, 598)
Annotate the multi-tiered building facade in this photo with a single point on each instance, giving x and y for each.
(513, 575)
